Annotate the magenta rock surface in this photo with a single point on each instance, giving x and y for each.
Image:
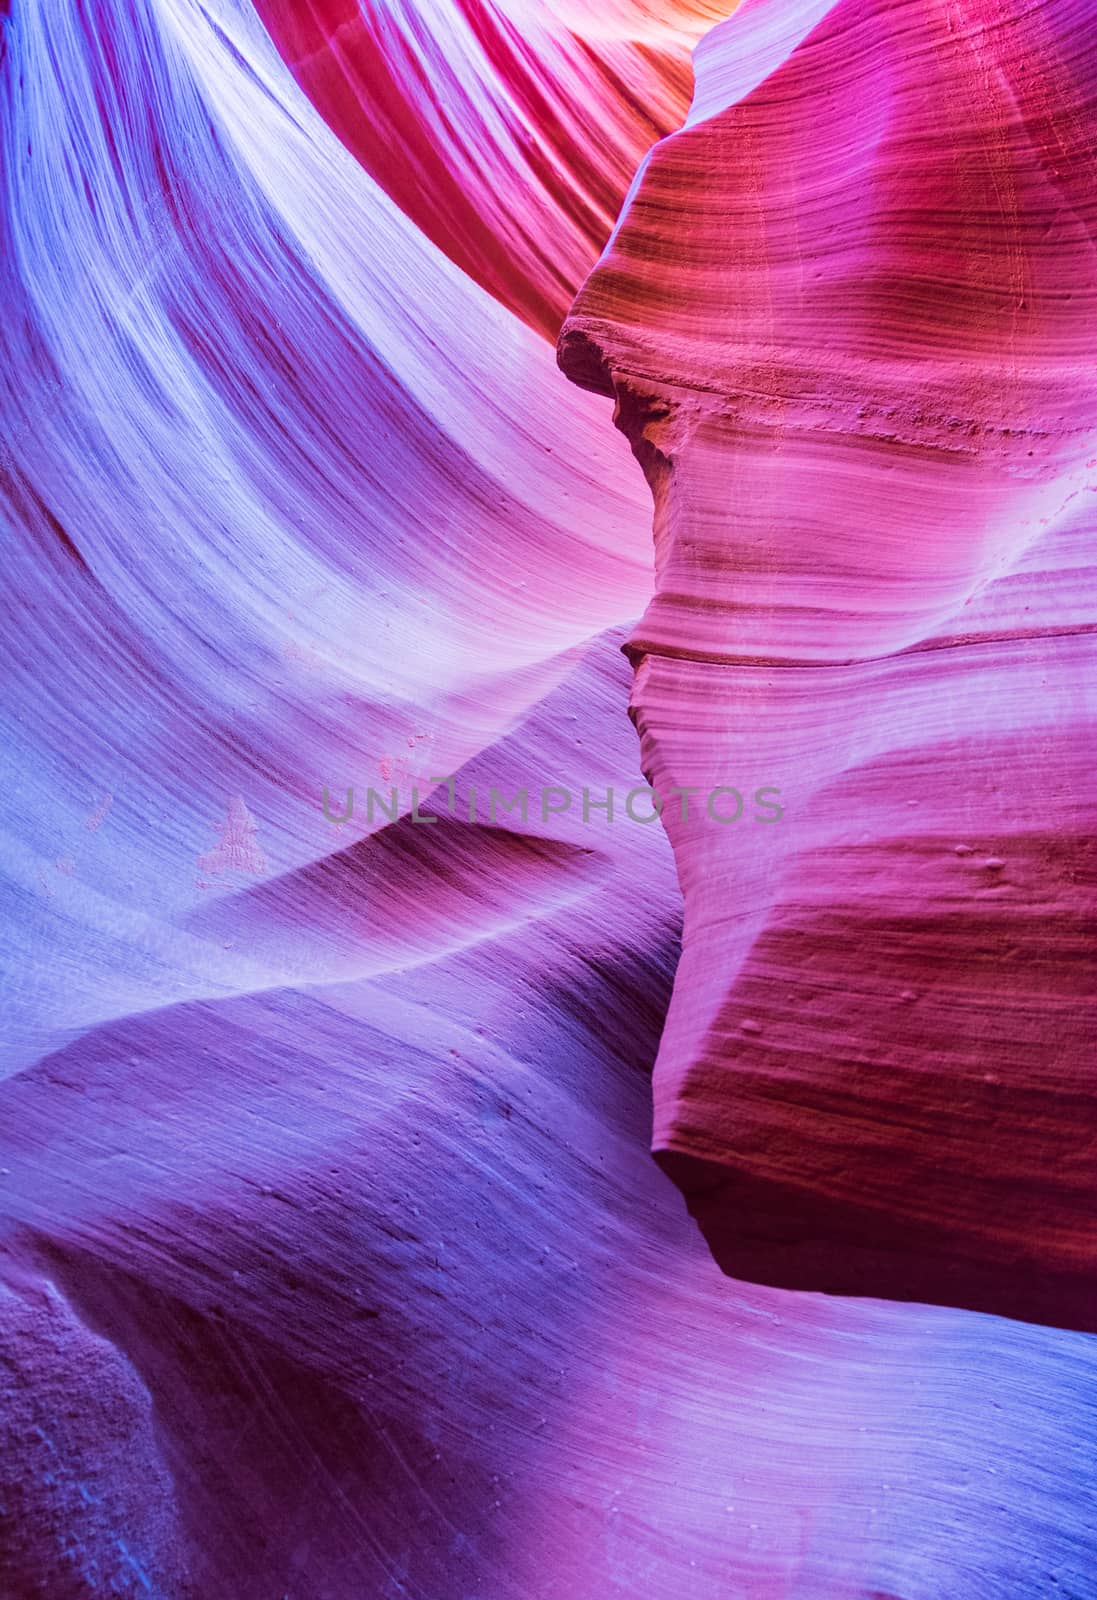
(849, 352)
(333, 1262)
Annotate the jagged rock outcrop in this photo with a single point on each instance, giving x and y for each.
(846, 317)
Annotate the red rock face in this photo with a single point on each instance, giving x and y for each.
(845, 318)
(507, 133)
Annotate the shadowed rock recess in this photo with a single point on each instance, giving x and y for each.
(847, 317)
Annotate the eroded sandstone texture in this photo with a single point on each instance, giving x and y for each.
(847, 318)
(333, 1263)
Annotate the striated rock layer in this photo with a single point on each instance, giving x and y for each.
(507, 130)
(848, 320)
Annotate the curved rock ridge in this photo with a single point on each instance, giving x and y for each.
(266, 529)
(849, 338)
(507, 130)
